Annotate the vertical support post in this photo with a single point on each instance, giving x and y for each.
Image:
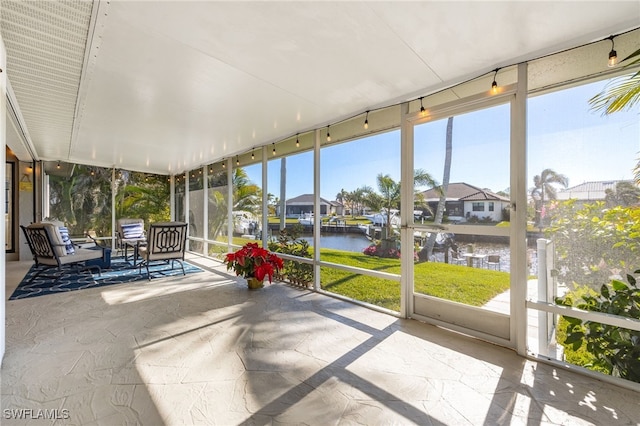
(3, 158)
(45, 197)
(229, 204)
(205, 208)
(316, 210)
(172, 197)
(406, 212)
(283, 193)
(186, 207)
(113, 208)
(543, 336)
(265, 198)
(518, 229)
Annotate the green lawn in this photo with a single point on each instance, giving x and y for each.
(473, 286)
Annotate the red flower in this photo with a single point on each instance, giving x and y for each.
(253, 261)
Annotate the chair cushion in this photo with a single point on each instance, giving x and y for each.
(66, 240)
(82, 255)
(56, 238)
(132, 230)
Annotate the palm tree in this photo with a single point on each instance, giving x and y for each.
(217, 199)
(246, 196)
(443, 189)
(340, 197)
(358, 198)
(83, 200)
(390, 192)
(272, 202)
(389, 197)
(621, 94)
(625, 194)
(544, 187)
(142, 196)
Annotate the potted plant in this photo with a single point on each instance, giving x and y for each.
(254, 264)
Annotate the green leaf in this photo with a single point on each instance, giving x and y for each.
(573, 321)
(633, 55)
(576, 345)
(564, 301)
(575, 337)
(618, 285)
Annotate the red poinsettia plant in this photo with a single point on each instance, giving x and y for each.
(253, 261)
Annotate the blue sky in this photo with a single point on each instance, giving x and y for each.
(563, 135)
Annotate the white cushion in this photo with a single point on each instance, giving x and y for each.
(66, 240)
(132, 230)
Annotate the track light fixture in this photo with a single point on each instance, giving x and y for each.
(297, 141)
(237, 160)
(422, 110)
(274, 148)
(366, 121)
(613, 55)
(494, 85)
(253, 157)
(328, 134)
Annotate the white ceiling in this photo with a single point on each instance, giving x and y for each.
(166, 86)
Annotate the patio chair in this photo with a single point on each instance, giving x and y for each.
(130, 233)
(456, 259)
(493, 260)
(51, 248)
(166, 242)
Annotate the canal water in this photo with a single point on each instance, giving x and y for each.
(348, 242)
(357, 243)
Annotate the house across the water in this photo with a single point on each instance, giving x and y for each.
(466, 202)
(303, 204)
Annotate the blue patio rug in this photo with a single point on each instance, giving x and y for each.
(120, 272)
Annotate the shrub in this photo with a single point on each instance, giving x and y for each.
(594, 243)
(289, 243)
(613, 349)
(380, 251)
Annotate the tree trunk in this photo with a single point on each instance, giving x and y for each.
(445, 186)
(283, 192)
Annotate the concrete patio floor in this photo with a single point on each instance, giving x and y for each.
(202, 349)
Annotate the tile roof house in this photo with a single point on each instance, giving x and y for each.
(589, 191)
(297, 206)
(464, 201)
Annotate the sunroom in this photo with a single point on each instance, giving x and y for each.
(217, 114)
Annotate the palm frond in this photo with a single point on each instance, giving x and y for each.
(633, 55)
(622, 93)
